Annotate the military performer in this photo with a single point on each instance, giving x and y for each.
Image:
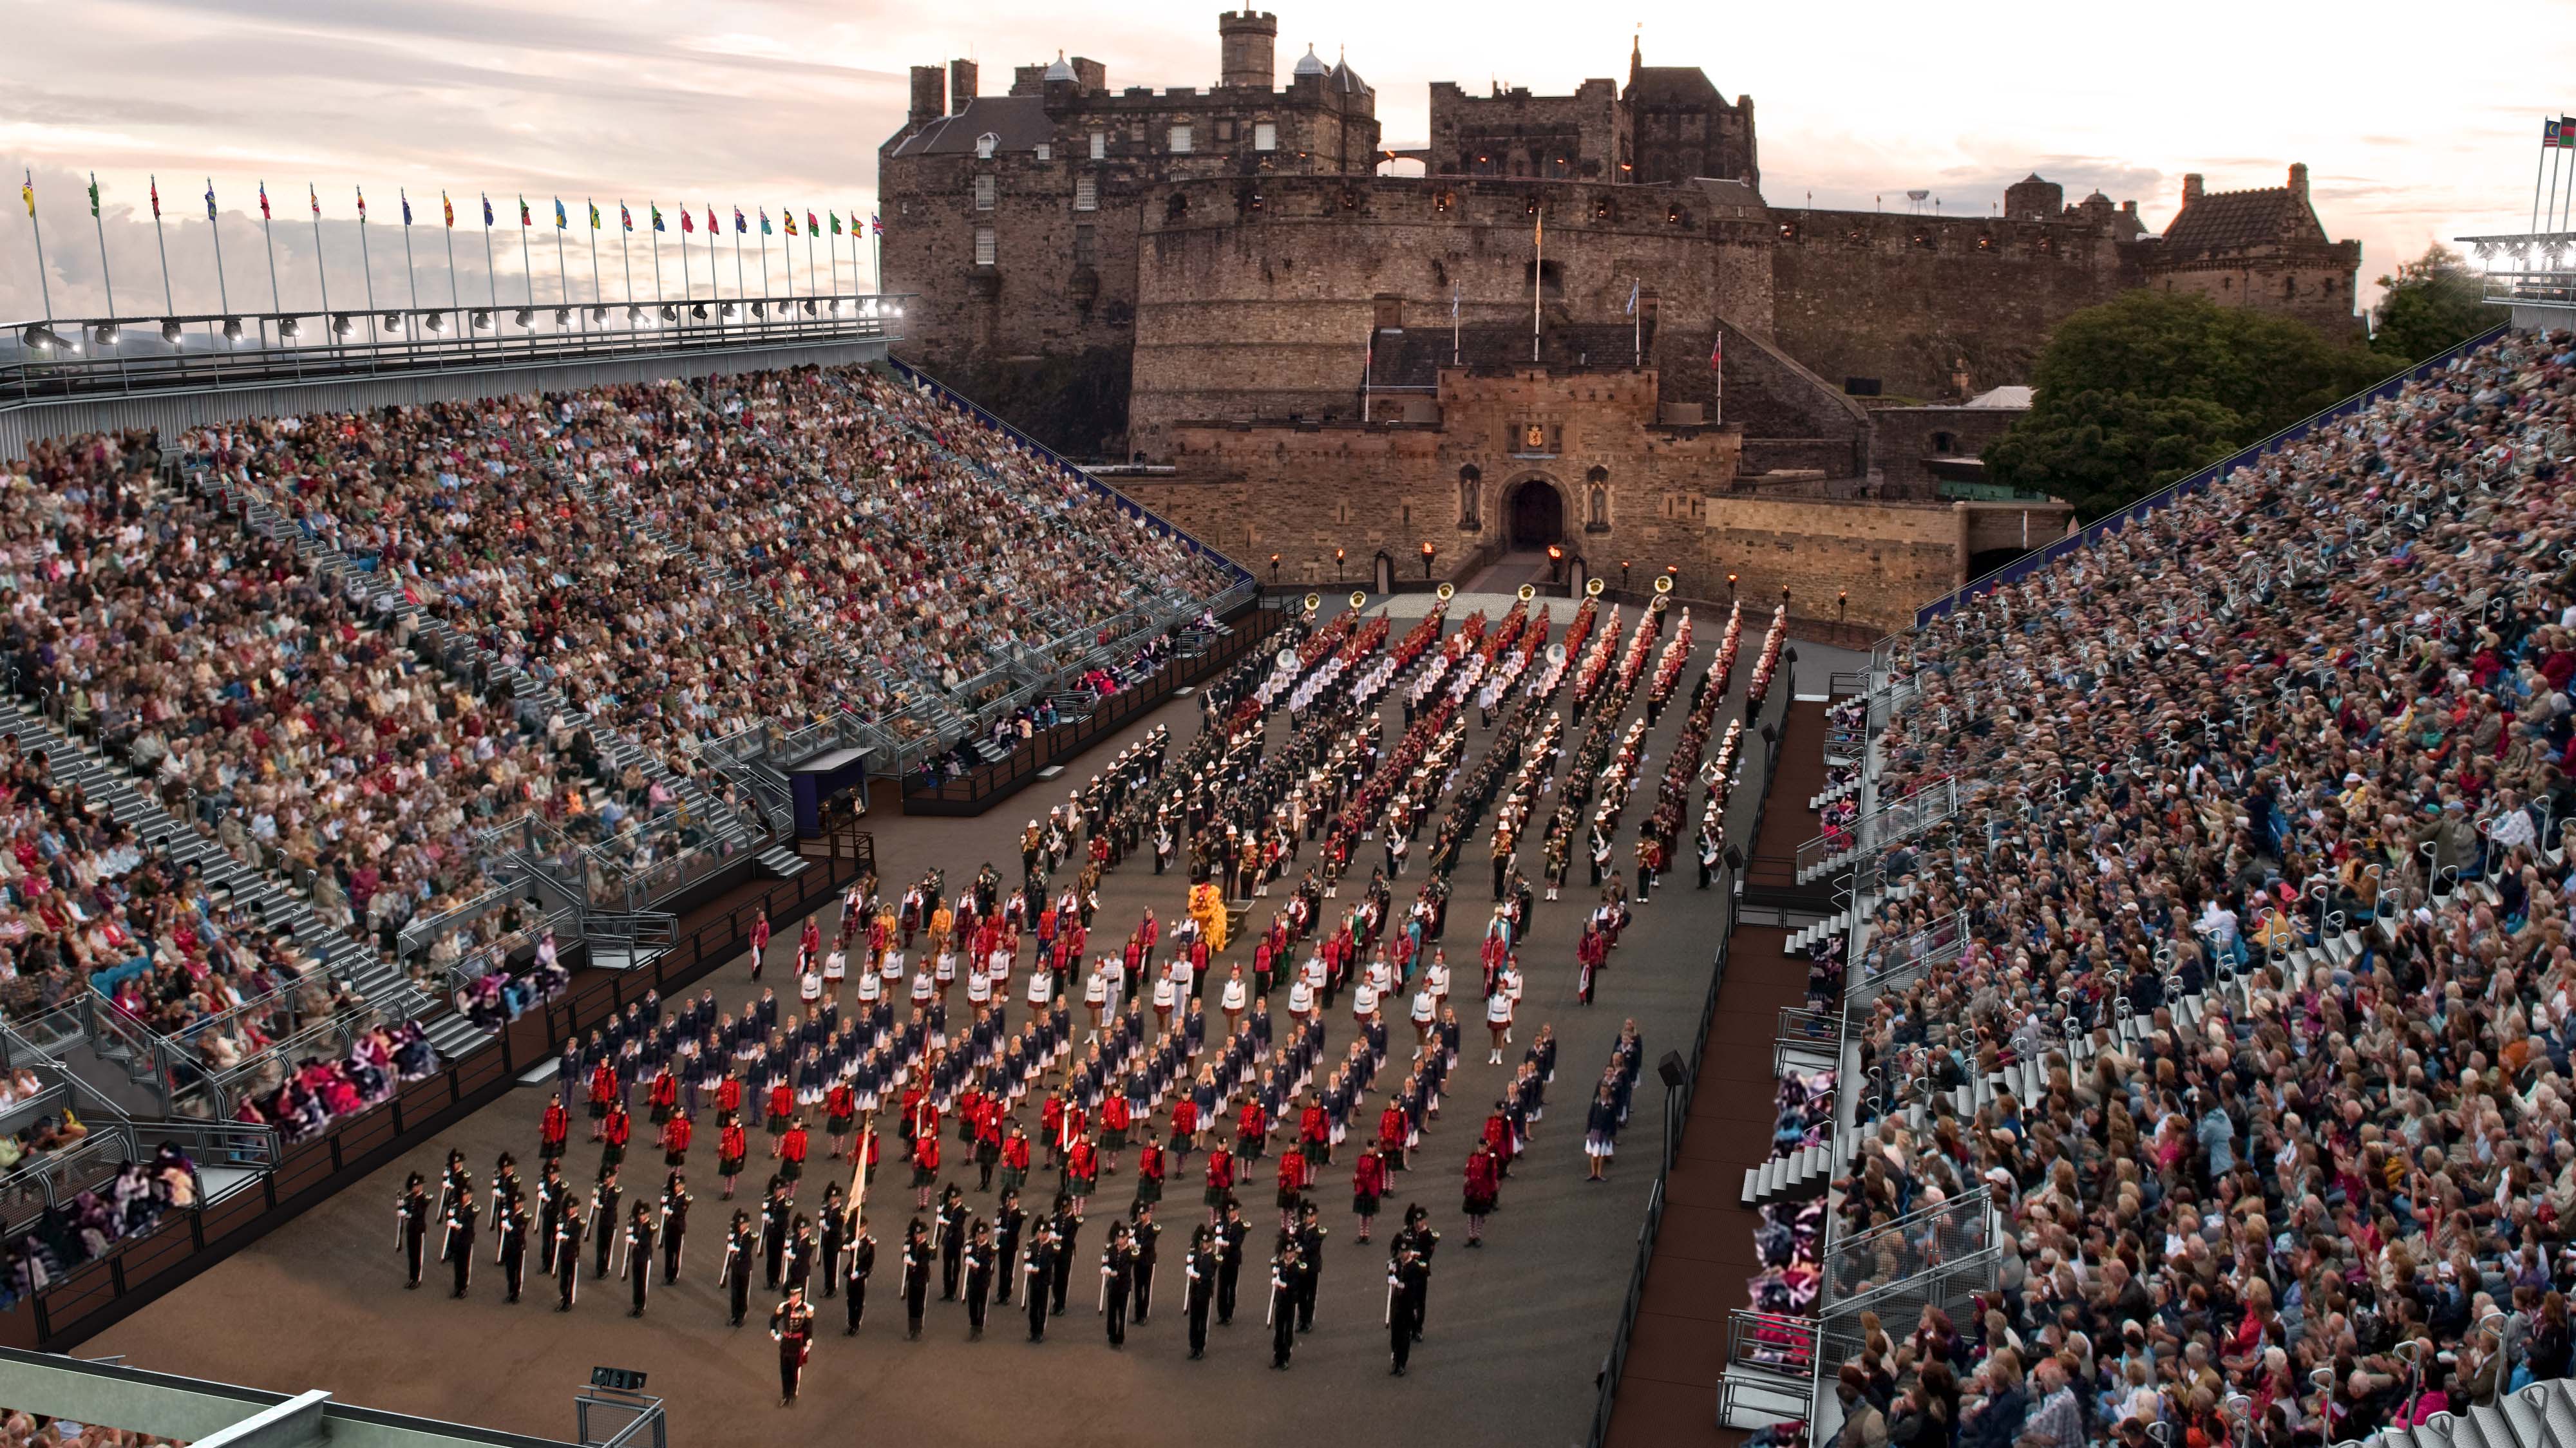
(916, 1275)
(1417, 1234)
(510, 1225)
(791, 1324)
(1200, 1277)
(863, 1261)
(1007, 1221)
(833, 1230)
(602, 1226)
(1144, 1235)
(637, 1266)
(1311, 1232)
(1408, 1280)
(1036, 1272)
(1285, 1275)
(981, 1255)
(948, 1234)
(554, 1198)
(674, 1224)
(1117, 1281)
(1231, 1236)
(411, 1228)
(776, 1213)
(457, 1246)
(567, 1255)
(742, 1247)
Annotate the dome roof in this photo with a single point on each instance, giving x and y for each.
(1346, 79)
(1312, 64)
(1059, 70)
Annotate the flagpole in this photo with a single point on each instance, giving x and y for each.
(223, 292)
(268, 238)
(836, 261)
(2551, 212)
(1453, 324)
(809, 256)
(563, 277)
(411, 277)
(168, 301)
(597, 299)
(367, 267)
(44, 284)
(321, 277)
(741, 292)
(1538, 271)
(1636, 326)
(491, 273)
(2537, 167)
(106, 276)
(625, 234)
(764, 263)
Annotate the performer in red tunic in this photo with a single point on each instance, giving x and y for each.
(603, 1089)
(1484, 1186)
(675, 1142)
(731, 1147)
(1220, 1182)
(1292, 1187)
(1368, 1184)
(552, 1131)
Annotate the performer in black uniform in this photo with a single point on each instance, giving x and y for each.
(1286, 1272)
(1143, 1236)
(458, 1245)
(511, 1227)
(863, 1260)
(791, 1324)
(603, 1221)
(916, 1275)
(1229, 1258)
(980, 1258)
(554, 1197)
(950, 1236)
(567, 1254)
(775, 1213)
(1117, 1281)
(1310, 1263)
(1007, 1221)
(1408, 1278)
(741, 1248)
(674, 1224)
(1036, 1273)
(411, 1228)
(1200, 1277)
(638, 1264)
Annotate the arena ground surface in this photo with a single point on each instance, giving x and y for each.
(1516, 1331)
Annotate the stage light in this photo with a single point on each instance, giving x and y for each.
(759, 309)
(729, 309)
(41, 339)
(524, 318)
(106, 333)
(634, 315)
(670, 314)
(563, 316)
(436, 322)
(170, 333)
(868, 308)
(600, 314)
(483, 320)
(809, 307)
(341, 325)
(288, 327)
(699, 311)
(393, 321)
(894, 311)
(232, 329)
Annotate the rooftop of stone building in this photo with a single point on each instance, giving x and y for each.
(1018, 122)
(2232, 220)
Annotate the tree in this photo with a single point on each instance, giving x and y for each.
(2143, 390)
(2433, 302)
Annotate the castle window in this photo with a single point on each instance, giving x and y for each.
(1985, 242)
(1265, 136)
(1086, 245)
(1551, 278)
(1788, 231)
(1225, 130)
(1045, 151)
(1086, 193)
(1441, 201)
(983, 246)
(1923, 237)
(1530, 207)
(2289, 286)
(984, 145)
(1602, 210)
(1672, 216)
(1099, 145)
(1350, 199)
(983, 193)
(1180, 140)
(1177, 207)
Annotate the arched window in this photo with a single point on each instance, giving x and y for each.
(1470, 495)
(1944, 444)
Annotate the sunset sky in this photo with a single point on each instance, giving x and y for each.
(2412, 131)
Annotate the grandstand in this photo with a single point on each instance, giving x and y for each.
(2198, 998)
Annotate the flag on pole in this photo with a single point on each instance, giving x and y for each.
(812, 227)
(156, 198)
(713, 225)
(314, 197)
(1717, 353)
(406, 203)
(362, 205)
(449, 207)
(740, 225)
(210, 198)
(1632, 296)
(1453, 301)
(263, 201)
(561, 220)
(764, 221)
(688, 222)
(625, 218)
(875, 227)
(487, 210)
(2567, 131)
(525, 219)
(657, 216)
(791, 222)
(27, 193)
(2550, 132)
(594, 214)
(93, 193)
(836, 222)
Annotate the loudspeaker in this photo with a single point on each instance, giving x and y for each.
(1770, 736)
(1734, 858)
(1789, 656)
(1672, 1070)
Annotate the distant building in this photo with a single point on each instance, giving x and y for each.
(2262, 248)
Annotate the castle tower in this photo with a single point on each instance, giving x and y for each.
(1248, 48)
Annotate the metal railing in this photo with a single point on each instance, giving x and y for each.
(1892, 823)
(1892, 965)
(1817, 1032)
(106, 356)
(1908, 1255)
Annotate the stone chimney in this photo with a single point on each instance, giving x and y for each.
(1247, 48)
(929, 95)
(2191, 188)
(2299, 182)
(961, 84)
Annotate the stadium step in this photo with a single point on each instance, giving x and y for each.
(1832, 792)
(783, 862)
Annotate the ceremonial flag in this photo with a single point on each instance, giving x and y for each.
(739, 224)
(594, 214)
(2567, 131)
(156, 198)
(561, 220)
(687, 221)
(836, 223)
(27, 193)
(210, 198)
(406, 201)
(263, 201)
(2550, 132)
(315, 197)
(1717, 353)
(362, 205)
(713, 225)
(487, 210)
(875, 227)
(657, 216)
(525, 218)
(812, 226)
(93, 194)
(791, 222)
(1632, 296)
(625, 218)
(449, 207)
(764, 221)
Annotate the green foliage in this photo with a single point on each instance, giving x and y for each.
(2433, 302)
(2148, 388)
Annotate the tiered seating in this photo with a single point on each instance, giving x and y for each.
(257, 703)
(2259, 802)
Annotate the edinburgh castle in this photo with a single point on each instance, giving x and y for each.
(1583, 324)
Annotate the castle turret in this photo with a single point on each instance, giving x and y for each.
(929, 96)
(1248, 48)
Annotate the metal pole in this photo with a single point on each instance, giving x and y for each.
(764, 262)
(268, 238)
(625, 233)
(741, 292)
(321, 277)
(107, 277)
(223, 293)
(168, 302)
(2537, 167)
(836, 261)
(366, 266)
